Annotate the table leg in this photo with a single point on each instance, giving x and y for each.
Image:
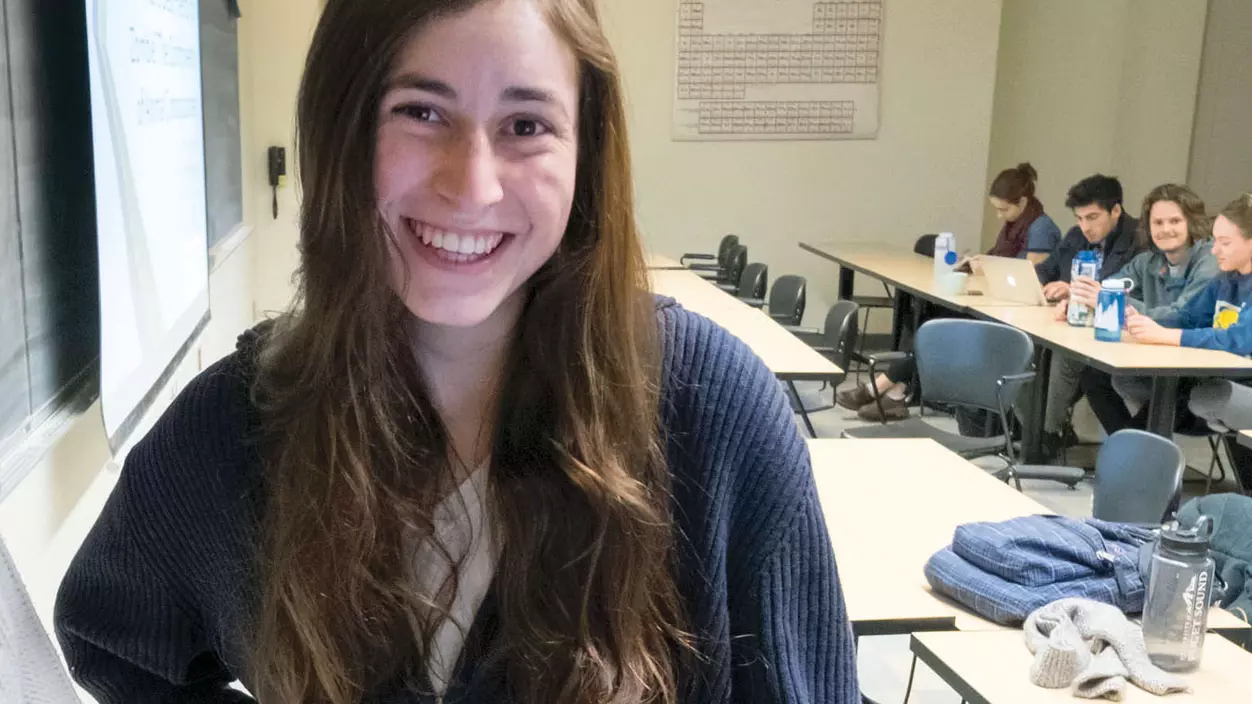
(897, 319)
(1032, 432)
(846, 277)
(1161, 406)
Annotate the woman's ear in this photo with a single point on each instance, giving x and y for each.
(1021, 202)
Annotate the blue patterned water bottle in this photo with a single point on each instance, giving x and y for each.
(1110, 312)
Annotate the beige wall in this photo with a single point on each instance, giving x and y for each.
(276, 35)
(924, 173)
(1221, 165)
(1085, 87)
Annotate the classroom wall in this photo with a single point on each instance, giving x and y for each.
(924, 172)
(1220, 168)
(1085, 87)
(276, 33)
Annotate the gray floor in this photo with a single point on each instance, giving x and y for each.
(884, 661)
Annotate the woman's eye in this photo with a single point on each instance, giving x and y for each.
(524, 127)
(421, 113)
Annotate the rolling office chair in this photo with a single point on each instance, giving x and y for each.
(728, 277)
(973, 364)
(698, 260)
(752, 283)
(30, 670)
(835, 342)
(786, 300)
(1138, 478)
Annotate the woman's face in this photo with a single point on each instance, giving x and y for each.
(1232, 247)
(476, 157)
(1008, 211)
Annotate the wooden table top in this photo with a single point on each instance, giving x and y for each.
(785, 354)
(889, 506)
(903, 269)
(994, 668)
(1124, 356)
(915, 274)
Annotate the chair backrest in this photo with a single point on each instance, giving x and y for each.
(786, 299)
(30, 670)
(753, 280)
(724, 249)
(1138, 478)
(736, 261)
(840, 332)
(961, 361)
(925, 245)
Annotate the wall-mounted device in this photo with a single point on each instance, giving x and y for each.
(278, 172)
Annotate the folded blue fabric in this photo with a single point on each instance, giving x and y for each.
(1003, 571)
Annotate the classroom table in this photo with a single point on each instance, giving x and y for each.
(660, 261)
(1165, 365)
(914, 274)
(994, 668)
(1244, 437)
(785, 354)
(890, 505)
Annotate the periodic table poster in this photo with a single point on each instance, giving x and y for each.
(777, 69)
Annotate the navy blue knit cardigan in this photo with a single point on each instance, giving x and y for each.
(155, 606)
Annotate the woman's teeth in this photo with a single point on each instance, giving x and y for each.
(463, 243)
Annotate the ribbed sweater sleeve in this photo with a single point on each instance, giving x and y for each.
(127, 616)
(788, 629)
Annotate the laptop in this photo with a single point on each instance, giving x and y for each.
(1011, 279)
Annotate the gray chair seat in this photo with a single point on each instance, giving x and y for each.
(918, 428)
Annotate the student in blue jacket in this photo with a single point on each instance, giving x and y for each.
(1214, 318)
(478, 461)
(1217, 318)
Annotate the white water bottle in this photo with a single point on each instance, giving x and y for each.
(945, 253)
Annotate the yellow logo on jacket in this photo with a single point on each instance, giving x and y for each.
(1225, 315)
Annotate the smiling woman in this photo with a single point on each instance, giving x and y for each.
(477, 461)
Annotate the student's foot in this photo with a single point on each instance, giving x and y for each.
(1051, 445)
(855, 397)
(892, 409)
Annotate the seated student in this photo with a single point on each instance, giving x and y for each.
(1027, 232)
(1102, 226)
(1177, 265)
(1215, 319)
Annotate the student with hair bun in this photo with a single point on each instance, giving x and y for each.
(1028, 231)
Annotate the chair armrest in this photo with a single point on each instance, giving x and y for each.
(729, 288)
(1007, 387)
(754, 302)
(703, 267)
(887, 357)
(797, 330)
(696, 257)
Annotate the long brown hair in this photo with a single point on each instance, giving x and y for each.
(1199, 224)
(355, 453)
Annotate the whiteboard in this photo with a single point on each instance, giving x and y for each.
(777, 69)
(148, 141)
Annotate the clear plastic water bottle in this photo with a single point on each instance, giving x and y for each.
(1180, 583)
(1086, 263)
